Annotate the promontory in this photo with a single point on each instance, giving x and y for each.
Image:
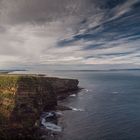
(24, 97)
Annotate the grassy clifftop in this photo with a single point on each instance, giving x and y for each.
(8, 81)
(9, 86)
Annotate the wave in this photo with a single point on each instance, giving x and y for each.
(47, 120)
(72, 95)
(115, 92)
(51, 126)
(76, 109)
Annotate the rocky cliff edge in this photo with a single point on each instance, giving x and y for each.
(24, 97)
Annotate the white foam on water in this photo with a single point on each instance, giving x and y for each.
(76, 109)
(58, 114)
(51, 114)
(72, 95)
(115, 92)
(51, 126)
(87, 90)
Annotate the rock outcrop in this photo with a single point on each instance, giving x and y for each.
(24, 97)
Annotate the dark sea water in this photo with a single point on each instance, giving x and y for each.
(108, 108)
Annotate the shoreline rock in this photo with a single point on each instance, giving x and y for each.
(24, 97)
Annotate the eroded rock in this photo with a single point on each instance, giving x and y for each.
(24, 97)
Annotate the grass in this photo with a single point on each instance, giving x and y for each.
(8, 81)
(9, 84)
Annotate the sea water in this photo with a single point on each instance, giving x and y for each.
(108, 108)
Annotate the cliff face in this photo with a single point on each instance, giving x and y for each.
(24, 97)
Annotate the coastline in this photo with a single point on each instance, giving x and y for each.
(25, 97)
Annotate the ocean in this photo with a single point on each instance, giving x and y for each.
(107, 108)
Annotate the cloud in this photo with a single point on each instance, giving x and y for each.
(69, 32)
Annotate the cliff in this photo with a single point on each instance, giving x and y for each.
(24, 97)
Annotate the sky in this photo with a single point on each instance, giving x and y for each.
(69, 32)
